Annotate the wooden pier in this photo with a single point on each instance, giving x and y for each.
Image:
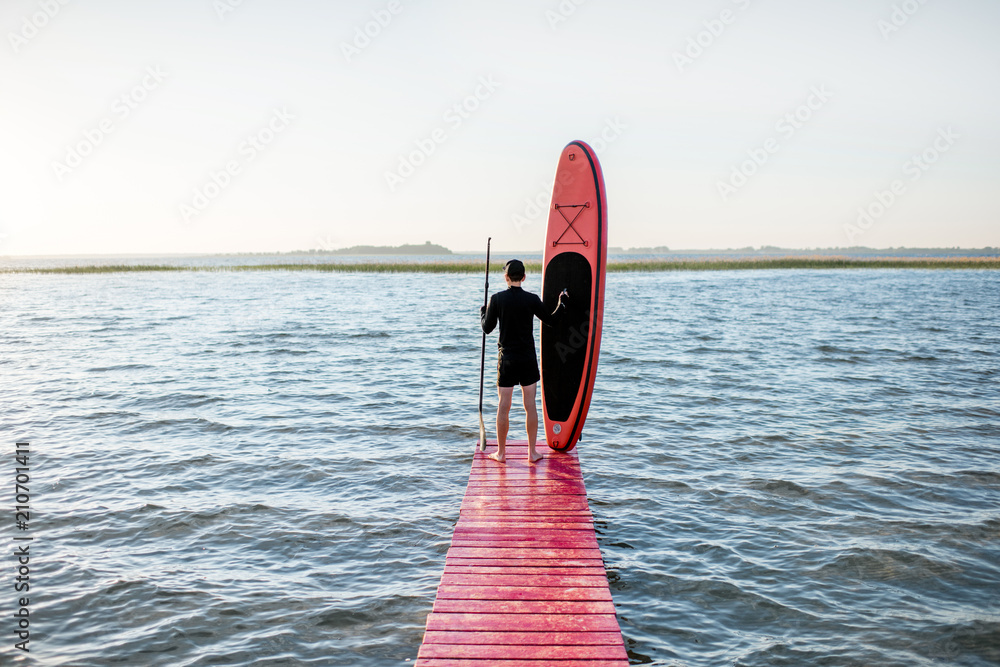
(524, 584)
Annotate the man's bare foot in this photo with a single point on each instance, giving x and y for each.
(497, 456)
(535, 457)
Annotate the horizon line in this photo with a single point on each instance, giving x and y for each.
(611, 249)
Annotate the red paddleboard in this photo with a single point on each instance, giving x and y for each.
(575, 259)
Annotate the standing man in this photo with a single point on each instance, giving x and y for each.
(517, 363)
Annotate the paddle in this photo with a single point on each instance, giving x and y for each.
(482, 361)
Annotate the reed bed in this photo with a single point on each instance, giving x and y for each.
(651, 265)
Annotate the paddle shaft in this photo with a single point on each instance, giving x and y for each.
(482, 361)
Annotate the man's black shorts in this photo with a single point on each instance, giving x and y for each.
(514, 371)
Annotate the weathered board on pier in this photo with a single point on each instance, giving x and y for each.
(524, 584)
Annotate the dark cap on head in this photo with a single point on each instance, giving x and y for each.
(514, 269)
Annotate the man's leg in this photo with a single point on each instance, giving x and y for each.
(503, 422)
(531, 420)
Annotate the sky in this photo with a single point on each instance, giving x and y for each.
(201, 126)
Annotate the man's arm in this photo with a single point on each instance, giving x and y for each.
(488, 316)
(556, 315)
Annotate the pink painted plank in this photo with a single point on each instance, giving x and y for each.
(485, 517)
(570, 479)
(518, 460)
(475, 483)
(517, 567)
(513, 542)
(528, 527)
(538, 514)
(523, 622)
(538, 527)
(513, 491)
(541, 549)
(537, 517)
(483, 514)
(560, 475)
(493, 489)
(488, 490)
(463, 533)
(594, 569)
(565, 474)
(575, 607)
(452, 592)
(530, 503)
(526, 542)
(534, 517)
(577, 509)
(548, 497)
(517, 463)
(543, 472)
(548, 453)
(495, 552)
(523, 504)
(515, 652)
(525, 562)
(551, 508)
(458, 662)
(518, 485)
(512, 469)
(524, 638)
(579, 501)
(552, 524)
(517, 514)
(496, 569)
(560, 580)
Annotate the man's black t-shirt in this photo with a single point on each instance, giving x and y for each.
(516, 310)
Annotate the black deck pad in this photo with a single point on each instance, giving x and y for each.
(564, 346)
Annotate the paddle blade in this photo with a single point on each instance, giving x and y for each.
(482, 433)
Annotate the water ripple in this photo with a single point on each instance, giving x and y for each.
(786, 468)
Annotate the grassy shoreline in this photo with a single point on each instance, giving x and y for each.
(653, 265)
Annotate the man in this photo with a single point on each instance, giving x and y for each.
(517, 363)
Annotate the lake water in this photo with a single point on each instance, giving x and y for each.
(785, 467)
